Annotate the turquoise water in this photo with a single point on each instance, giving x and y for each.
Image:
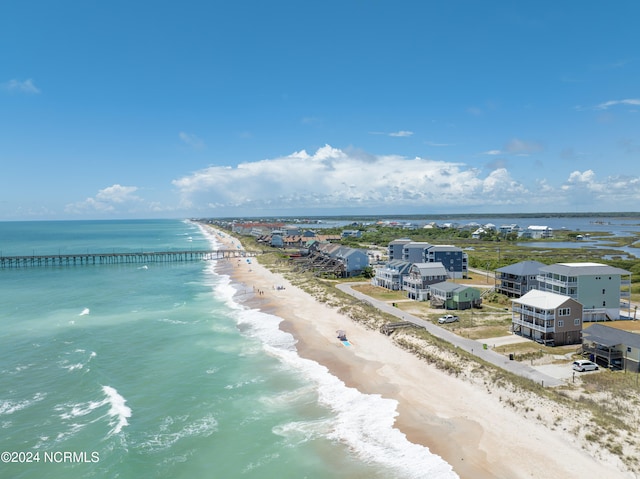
(129, 371)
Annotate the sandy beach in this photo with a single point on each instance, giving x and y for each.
(467, 423)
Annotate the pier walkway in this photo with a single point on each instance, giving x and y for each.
(119, 258)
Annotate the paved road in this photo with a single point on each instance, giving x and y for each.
(469, 345)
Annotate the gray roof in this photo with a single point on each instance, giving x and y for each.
(444, 247)
(524, 268)
(432, 269)
(398, 265)
(583, 269)
(417, 244)
(400, 241)
(447, 286)
(608, 336)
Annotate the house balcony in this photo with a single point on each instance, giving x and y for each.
(602, 352)
(556, 282)
(541, 326)
(511, 289)
(536, 325)
(538, 315)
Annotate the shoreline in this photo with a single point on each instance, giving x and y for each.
(462, 422)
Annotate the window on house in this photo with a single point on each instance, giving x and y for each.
(576, 322)
(560, 323)
(603, 291)
(628, 349)
(604, 303)
(564, 311)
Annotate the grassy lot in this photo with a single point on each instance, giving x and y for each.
(381, 294)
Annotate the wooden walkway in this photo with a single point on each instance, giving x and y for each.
(119, 258)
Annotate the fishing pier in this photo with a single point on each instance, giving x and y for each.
(140, 257)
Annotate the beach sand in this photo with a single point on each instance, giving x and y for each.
(465, 423)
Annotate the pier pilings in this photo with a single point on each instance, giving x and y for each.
(80, 259)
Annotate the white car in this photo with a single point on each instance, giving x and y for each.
(449, 318)
(584, 365)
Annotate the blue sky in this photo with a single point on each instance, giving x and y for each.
(209, 108)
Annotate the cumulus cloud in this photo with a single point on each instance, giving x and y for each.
(608, 104)
(334, 179)
(192, 140)
(108, 200)
(26, 86)
(585, 187)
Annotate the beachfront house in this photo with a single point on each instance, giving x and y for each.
(335, 259)
(537, 232)
(391, 275)
(355, 260)
(420, 277)
(518, 279)
(602, 290)
(454, 296)
(277, 239)
(394, 249)
(414, 251)
(454, 260)
(549, 318)
(611, 347)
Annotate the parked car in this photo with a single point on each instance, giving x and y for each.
(448, 318)
(584, 365)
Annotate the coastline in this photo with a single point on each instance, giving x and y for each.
(463, 423)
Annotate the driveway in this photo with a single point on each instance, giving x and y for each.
(469, 345)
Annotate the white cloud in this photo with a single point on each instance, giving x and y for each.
(332, 179)
(401, 133)
(111, 199)
(607, 104)
(192, 140)
(26, 86)
(584, 187)
(493, 152)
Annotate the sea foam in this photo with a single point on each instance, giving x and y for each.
(118, 411)
(363, 422)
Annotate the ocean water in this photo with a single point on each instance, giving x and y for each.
(157, 371)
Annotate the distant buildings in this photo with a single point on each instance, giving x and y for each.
(454, 260)
(415, 267)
